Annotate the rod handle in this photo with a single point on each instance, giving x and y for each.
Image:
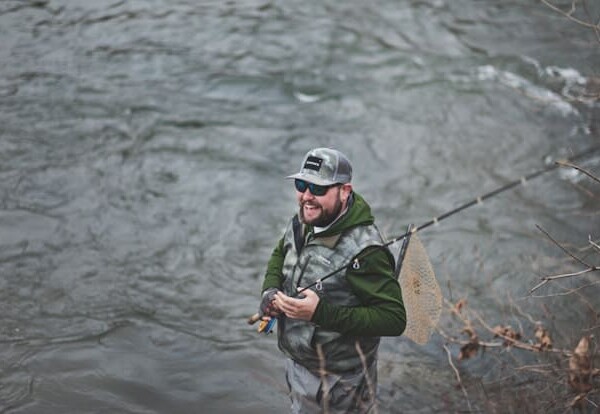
(253, 319)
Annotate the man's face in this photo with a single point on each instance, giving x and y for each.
(321, 210)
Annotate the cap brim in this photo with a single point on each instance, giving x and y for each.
(311, 179)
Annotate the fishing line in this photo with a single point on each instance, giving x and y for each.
(477, 200)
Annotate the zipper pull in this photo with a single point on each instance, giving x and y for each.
(319, 285)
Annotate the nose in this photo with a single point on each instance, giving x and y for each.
(307, 195)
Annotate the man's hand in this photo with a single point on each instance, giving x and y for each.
(303, 308)
(267, 306)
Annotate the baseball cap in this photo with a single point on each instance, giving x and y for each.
(324, 166)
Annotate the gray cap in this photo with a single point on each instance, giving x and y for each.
(325, 166)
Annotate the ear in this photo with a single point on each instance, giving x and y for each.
(345, 191)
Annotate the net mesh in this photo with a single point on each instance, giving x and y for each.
(420, 291)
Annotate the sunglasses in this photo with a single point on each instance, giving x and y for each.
(316, 190)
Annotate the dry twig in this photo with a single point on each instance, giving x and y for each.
(589, 268)
(323, 374)
(509, 337)
(363, 360)
(578, 168)
(569, 15)
(458, 378)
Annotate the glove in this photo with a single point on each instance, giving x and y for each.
(266, 304)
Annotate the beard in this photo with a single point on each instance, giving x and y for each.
(325, 217)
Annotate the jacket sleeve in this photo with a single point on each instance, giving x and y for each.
(381, 312)
(274, 275)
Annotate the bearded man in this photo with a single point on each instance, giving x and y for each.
(330, 333)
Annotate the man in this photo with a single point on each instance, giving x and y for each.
(330, 333)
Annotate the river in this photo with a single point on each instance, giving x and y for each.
(143, 150)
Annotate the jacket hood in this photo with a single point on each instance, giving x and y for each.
(359, 213)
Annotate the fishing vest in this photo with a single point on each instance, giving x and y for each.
(306, 261)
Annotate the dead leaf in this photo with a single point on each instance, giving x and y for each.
(506, 332)
(580, 368)
(471, 348)
(468, 329)
(468, 350)
(498, 330)
(583, 347)
(459, 305)
(543, 337)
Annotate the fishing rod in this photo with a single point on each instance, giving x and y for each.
(477, 200)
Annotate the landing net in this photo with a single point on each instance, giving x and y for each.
(420, 291)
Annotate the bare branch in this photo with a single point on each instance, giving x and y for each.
(594, 245)
(589, 268)
(578, 168)
(517, 343)
(566, 293)
(541, 369)
(547, 279)
(562, 247)
(569, 15)
(323, 375)
(457, 341)
(506, 339)
(363, 360)
(514, 305)
(458, 378)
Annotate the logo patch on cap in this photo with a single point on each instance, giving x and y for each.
(313, 163)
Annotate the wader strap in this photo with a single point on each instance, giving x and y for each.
(298, 234)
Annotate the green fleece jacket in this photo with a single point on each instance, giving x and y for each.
(381, 312)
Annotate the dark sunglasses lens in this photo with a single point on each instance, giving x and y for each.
(300, 185)
(317, 190)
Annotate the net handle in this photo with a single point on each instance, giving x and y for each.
(402, 252)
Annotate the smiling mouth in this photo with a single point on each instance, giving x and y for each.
(310, 207)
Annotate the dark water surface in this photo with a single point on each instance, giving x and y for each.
(143, 146)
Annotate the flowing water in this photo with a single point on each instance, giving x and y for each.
(143, 146)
